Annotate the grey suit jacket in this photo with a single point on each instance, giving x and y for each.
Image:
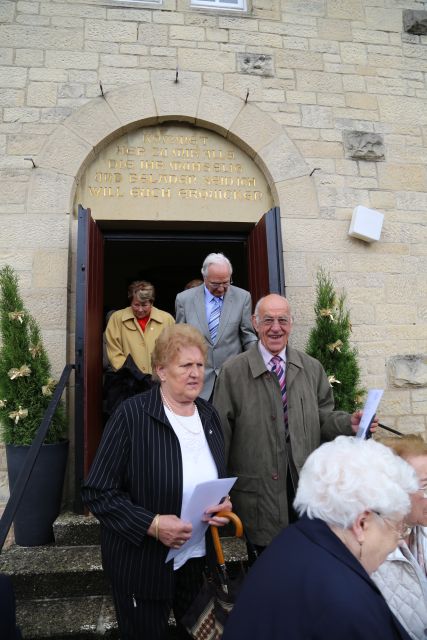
(235, 331)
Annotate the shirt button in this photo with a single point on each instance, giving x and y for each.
(274, 476)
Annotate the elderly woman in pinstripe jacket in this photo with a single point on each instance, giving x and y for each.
(155, 449)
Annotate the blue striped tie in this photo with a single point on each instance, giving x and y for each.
(213, 323)
(277, 368)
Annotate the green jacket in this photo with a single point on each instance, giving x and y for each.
(248, 399)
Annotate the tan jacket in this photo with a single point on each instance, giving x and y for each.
(123, 335)
(248, 399)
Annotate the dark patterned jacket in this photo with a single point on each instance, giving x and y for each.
(137, 472)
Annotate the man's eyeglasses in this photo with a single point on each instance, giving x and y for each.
(283, 321)
(217, 285)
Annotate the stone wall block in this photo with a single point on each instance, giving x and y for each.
(25, 144)
(48, 304)
(318, 81)
(65, 151)
(407, 371)
(20, 258)
(72, 60)
(112, 77)
(153, 34)
(408, 424)
(198, 60)
(13, 188)
(296, 59)
(133, 104)
(95, 122)
(50, 269)
(42, 94)
(402, 110)
(50, 191)
(415, 22)
(298, 198)
(405, 177)
(7, 11)
(341, 29)
(393, 314)
(388, 18)
(281, 160)
(227, 108)
(13, 77)
(40, 37)
(37, 228)
(252, 129)
(109, 31)
(345, 9)
(176, 100)
(317, 117)
(409, 287)
(14, 97)
(315, 235)
(55, 341)
(258, 64)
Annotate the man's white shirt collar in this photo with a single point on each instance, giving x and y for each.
(266, 355)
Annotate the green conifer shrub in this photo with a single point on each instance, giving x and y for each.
(328, 342)
(26, 384)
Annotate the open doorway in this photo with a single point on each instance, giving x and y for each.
(168, 259)
(169, 256)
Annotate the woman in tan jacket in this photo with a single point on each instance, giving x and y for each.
(135, 329)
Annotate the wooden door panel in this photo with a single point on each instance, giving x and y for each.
(89, 325)
(265, 257)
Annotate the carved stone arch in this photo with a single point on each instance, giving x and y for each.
(74, 143)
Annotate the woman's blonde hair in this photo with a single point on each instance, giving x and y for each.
(172, 340)
(410, 445)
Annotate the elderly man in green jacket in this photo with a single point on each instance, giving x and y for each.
(276, 406)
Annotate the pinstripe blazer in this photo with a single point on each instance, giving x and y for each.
(137, 472)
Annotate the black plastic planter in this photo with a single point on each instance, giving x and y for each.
(41, 503)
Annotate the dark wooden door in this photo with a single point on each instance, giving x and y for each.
(265, 257)
(89, 325)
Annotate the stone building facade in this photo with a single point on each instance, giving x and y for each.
(324, 102)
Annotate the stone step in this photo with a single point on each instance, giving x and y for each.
(71, 529)
(79, 618)
(55, 572)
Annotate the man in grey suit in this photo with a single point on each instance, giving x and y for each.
(221, 312)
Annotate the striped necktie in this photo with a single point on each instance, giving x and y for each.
(278, 369)
(213, 323)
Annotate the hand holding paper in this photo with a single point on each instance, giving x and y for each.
(204, 495)
(369, 410)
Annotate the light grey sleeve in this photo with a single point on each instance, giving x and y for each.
(247, 333)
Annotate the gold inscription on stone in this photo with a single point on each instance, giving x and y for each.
(154, 164)
(215, 194)
(137, 192)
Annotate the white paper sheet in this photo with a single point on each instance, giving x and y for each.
(369, 410)
(204, 495)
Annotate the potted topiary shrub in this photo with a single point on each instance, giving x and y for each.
(329, 342)
(26, 386)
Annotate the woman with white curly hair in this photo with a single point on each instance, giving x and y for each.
(312, 582)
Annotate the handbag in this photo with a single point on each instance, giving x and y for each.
(207, 615)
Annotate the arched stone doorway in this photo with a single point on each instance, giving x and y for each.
(77, 142)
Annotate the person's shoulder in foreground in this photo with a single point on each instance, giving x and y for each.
(8, 628)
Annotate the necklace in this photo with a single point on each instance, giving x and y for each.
(177, 417)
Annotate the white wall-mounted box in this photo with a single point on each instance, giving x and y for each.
(366, 224)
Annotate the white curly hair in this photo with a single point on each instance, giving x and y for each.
(343, 478)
